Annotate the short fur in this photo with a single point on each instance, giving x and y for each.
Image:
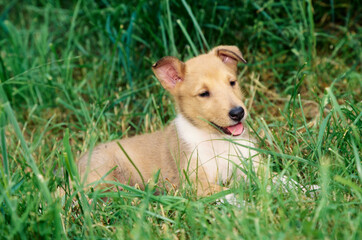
(190, 142)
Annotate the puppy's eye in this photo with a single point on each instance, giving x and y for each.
(205, 94)
(232, 83)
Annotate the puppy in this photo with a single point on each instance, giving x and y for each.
(208, 140)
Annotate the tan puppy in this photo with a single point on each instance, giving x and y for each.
(200, 141)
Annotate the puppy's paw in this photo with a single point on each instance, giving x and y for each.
(313, 190)
(231, 199)
(286, 185)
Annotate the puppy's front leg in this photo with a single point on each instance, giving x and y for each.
(206, 188)
(204, 185)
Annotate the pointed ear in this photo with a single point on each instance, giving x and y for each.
(169, 71)
(230, 55)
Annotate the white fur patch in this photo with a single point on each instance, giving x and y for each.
(216, 153)
(286, 184)
(232, 200)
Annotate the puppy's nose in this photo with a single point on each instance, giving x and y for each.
(237, 113)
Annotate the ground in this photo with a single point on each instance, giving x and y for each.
(75, 73)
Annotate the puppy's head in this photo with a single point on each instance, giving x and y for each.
(206, 89)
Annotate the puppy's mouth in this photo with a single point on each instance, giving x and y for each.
(233, 130)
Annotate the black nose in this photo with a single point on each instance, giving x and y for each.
(237, 113)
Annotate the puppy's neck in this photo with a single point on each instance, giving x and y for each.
(189, 132)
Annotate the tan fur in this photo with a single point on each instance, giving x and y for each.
(149, 152)
(164, 150)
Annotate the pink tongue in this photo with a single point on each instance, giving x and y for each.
(236, 130)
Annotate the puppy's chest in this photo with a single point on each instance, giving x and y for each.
(220, 159)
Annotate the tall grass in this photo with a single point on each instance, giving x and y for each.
(74, 73)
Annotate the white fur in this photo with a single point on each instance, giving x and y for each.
(286, 184)
(232, 200)
(216, 153)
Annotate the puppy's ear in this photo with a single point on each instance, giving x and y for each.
(230, 55)
(169, 71)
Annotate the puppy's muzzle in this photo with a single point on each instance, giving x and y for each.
(237, 113)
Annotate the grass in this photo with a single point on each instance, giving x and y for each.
(74, 73)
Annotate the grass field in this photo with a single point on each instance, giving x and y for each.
(75, 73)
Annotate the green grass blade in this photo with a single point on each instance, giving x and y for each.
(193, 47)
(196, 24)
(4, 153)
(133, 164)
(170, 30)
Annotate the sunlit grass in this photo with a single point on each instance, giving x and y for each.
(76, 73)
